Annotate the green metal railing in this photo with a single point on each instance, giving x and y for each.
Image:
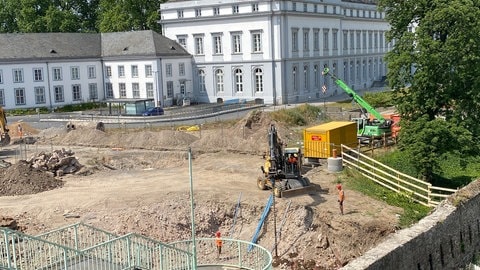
(235, 253)
(83, 247)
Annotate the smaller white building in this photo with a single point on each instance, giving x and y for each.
(56, 69)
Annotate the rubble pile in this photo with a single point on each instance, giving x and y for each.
(58, 163)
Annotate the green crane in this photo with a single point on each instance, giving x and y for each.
(365, 127)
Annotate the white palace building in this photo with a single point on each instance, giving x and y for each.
(272, 52)
(275, 51)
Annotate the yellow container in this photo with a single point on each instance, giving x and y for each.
(319, 141)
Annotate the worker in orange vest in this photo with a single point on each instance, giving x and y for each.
(20, 130)
(341, 197)
(218, 243)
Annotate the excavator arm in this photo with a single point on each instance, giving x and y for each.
(4, 137)
(355, 96)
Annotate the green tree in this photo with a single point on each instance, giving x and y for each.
(8, 20)
(435, 71)
(128, 15)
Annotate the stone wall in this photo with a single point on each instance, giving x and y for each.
(446, 239)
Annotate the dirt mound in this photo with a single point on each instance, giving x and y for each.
(249, 135)
(21, 179)
(88, 136)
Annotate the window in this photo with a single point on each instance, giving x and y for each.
(39, 95)
(315, 8)
(92, 91)
(238, 80)
(19, 96)
(182, 40)
(121, 71)
(198, 45)
(91, 72)
(148, 71)
(216, 11)
(305, 78)
(17, 75)
(180, 13)
(75, 73)
(256, 42)
(169, 89)
(352, 40)
(182, 88)
(1, 76)
(58, 91)
(255, 7)
(168, 70)
(201, 78)
(358, 40)
(181, 69)
(345, 40)
(108, 71)
(335, 39)
(316, 39)
(149, 87)
(325, 9)
(306, 39)
(295, 40)
(325, 39)
(236, 43)
(109, 90)
(2, 97)
(316, 76)
(135, 90)
(219, 80)
(305, 7)
(235, 9)
(76, 93)
(217, 44)
(198, 12)
(364, 40)
(134, 71)
(122, 90)
(294, 79)
(37, 75)
(334, 9)
(294, 6)
(258, 80)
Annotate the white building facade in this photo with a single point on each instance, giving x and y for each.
(57, 69)
(275, 51)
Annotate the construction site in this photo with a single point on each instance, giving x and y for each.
(125, 181)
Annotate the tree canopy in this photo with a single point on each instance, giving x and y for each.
(435, 70)
(39, 16)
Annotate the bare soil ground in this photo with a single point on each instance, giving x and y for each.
(139, 182)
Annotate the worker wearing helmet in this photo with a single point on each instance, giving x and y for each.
(218, 243)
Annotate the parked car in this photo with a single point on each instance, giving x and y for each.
(153, 111)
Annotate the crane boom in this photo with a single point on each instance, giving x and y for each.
(355, 96)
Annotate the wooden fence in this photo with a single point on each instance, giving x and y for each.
(418, 190)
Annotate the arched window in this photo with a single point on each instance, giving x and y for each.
(238, 80)
(201, 79)
(258, 80)
(316, 76)
(219, 80)
(305, 78)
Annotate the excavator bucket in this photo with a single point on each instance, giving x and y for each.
(297, 187)
(5, 139)
(298, 191)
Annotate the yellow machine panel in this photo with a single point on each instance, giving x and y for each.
(319, 141)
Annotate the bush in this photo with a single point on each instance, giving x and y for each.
(298, 116)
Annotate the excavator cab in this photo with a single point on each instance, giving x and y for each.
(282, 169)
(4, 137)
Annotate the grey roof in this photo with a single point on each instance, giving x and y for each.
(140, 43)
(45, 46)
(49, 45)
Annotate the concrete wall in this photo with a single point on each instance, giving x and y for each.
(447, 239)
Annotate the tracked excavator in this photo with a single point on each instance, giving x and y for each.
(282, 171)
(4, 137)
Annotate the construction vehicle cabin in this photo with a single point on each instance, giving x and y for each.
(4, 137)
(366, 127)
(281, 172)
